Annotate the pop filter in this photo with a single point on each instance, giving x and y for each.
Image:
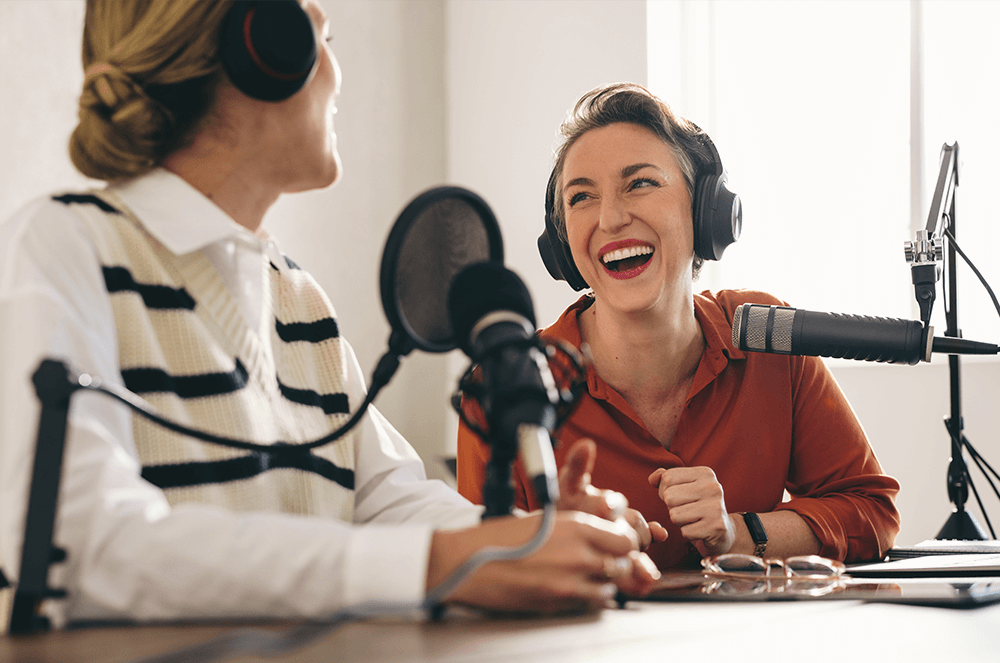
(440, 233)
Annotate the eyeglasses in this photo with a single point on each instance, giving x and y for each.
(748, 567)
(741, 575)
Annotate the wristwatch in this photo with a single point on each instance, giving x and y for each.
(757, 532)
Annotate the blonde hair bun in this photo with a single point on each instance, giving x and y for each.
(122, 131)
(151, 75)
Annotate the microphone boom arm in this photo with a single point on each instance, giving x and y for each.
(926, 251)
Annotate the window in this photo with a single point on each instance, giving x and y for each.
(817, 121)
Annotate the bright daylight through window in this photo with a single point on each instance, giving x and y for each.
(819, 109)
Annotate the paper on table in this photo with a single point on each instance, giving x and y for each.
(944, 547)
(929, 566)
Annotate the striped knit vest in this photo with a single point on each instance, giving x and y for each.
(184, 346)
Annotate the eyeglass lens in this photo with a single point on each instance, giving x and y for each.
(808, 566)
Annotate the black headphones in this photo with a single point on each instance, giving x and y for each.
(715, 210)
(268, 48)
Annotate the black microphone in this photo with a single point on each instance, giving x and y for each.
(789, 331)
(493, 319)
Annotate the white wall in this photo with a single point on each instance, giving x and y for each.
(38, 102)
(903, 409)
(471, 93)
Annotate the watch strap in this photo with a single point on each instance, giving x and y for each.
(757, 532)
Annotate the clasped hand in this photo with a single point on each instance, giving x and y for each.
(696, 504)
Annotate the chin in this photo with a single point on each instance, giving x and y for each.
(321, 177)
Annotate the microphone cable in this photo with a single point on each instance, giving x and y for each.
(385, 369)
(261, 640)
(975, 271)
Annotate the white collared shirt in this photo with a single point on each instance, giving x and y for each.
(183, 223)
(130, 554)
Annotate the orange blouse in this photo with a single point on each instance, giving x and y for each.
(764, 423)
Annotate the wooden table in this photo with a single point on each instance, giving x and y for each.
(813, 631)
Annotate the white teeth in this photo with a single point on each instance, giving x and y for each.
(621, 254)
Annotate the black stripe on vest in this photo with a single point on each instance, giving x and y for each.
(85, 199)
(245, 467)
(288, 261)
(330, 403)
(311, 332)
(149, 380)
(119, 279)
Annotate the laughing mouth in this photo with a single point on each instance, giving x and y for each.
(623, 260)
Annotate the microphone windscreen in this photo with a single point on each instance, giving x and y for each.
(482, 288)
(763, 328)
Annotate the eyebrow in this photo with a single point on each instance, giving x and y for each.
(627, 171)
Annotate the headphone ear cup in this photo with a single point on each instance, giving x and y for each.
(718, 217)
(555, 252)
(268, 49)
(557, 258)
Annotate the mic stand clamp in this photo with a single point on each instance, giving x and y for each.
(924, 256)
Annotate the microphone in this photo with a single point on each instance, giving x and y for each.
(789, 331)
(493, 319)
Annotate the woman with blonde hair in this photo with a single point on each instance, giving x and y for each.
(199, 114)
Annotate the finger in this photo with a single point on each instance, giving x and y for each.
(690, 513)
(606, 504)
(644, 571)
(611, 537)
(676, 476)
(617, 504)
(615, 569)
(680, 497)
(574, 477)
(688, 488)
(658, 532)
(641, 576)
(654, 478)
(641, 527)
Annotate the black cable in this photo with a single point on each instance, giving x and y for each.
(979, 500)
(982, 280)
(979, 461)
(964, 442)
(386, 367)
(976, 453)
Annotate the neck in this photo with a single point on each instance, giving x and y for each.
(215, 170)
(648, 352)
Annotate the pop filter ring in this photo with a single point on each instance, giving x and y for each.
(403, 332)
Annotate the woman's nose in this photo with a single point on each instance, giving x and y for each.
(614, 216)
